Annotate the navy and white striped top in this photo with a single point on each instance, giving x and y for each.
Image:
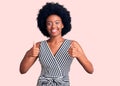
(55, 68)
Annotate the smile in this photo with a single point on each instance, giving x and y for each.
(54, 30)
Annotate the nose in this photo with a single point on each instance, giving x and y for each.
(53, 25)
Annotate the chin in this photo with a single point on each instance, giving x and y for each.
(55, 35)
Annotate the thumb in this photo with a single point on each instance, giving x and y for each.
(71, 46)
(34, 45)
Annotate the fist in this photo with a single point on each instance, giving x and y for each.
(73, 50)
(34, 51)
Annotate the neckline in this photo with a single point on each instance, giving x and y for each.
(57, 50)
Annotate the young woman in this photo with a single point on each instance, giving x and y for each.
(57, 53)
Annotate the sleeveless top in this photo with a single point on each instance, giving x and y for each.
(55, 68)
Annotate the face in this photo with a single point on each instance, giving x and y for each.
(54, 25)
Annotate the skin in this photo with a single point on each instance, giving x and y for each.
(54, 27)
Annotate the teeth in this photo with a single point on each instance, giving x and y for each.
(54, 30)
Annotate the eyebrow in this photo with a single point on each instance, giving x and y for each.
(55, 20)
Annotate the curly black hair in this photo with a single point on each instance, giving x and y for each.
(57, 9)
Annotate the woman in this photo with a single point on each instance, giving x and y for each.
(57, 53)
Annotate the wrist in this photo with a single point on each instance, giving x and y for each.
(29, 54)
(79, 56)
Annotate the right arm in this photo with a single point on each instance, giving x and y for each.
(29, 58)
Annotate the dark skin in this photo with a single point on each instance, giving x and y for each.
(54, 26)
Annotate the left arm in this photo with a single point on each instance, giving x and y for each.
(76, 51)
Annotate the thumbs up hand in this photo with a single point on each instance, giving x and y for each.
(74, 50)
(34, 51)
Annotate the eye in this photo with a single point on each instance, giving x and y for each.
(49, 23)
(57, 22)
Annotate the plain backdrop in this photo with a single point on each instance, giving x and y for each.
(95, 25)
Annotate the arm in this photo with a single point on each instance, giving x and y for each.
(29, 58)
(77, 52)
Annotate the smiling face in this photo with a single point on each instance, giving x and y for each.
(54, 25)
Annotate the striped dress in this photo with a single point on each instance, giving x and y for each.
(55, 68)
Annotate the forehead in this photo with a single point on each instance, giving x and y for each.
(53, 17)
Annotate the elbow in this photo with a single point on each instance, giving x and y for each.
(22, 70)
(90, 70)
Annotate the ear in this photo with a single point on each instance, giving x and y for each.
(62, 26)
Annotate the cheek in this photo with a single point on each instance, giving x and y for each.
(60, 26)
(48, 27)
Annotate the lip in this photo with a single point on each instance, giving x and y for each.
(54, 30)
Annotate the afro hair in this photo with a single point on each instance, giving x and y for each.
(57, 9)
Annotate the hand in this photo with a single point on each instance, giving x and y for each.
(34, 51)
(76, 51)
(73, 50)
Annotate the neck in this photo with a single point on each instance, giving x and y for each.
(56, 39)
